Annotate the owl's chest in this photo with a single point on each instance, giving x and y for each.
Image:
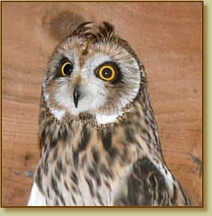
(84, 172)
(85, 185)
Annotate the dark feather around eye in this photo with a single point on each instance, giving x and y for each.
(65, 68)
(113, 65)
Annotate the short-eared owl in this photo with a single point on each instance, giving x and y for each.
(100, 142)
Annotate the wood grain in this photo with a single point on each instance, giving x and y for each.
(167, 38)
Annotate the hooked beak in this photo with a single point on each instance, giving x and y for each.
(76, 96)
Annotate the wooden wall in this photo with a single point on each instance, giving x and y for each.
(167, 38)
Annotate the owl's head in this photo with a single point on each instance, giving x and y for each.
(92, 71)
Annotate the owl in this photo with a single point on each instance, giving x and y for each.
(99, 136)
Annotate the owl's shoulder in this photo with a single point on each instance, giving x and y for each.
(151, 183)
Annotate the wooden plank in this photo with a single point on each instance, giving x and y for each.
(167, 38)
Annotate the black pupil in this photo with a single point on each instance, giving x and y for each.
(107, 73)
(68, 69)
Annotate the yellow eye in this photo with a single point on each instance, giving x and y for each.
(107, 73)
(66, 68)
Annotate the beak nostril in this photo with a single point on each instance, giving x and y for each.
(76, 96)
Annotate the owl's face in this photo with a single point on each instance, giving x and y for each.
(91, 73)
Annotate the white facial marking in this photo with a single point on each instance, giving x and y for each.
(97, 59)
(58, 113)
(103, 119)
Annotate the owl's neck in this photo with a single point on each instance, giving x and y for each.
(136, 120)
